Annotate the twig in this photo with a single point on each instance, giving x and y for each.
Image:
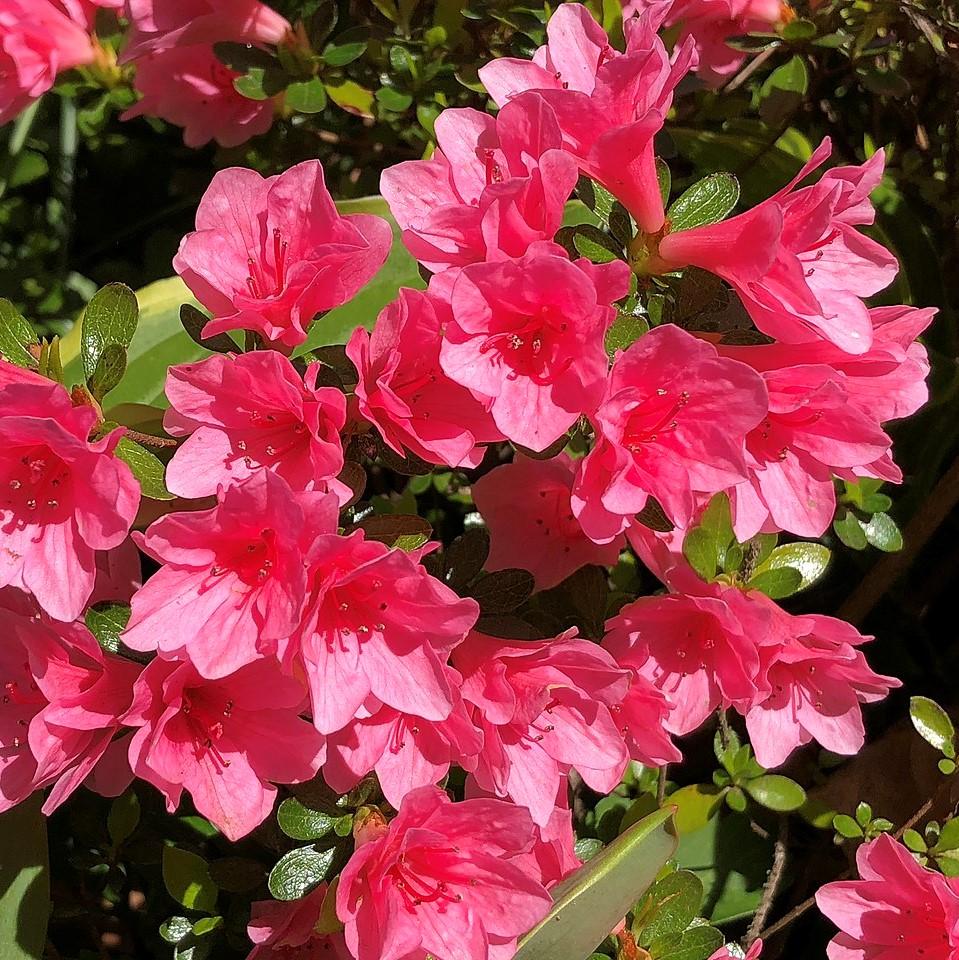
(148, 440)
(661, 786)
(793, 914)
(750, 68)
(773, 881)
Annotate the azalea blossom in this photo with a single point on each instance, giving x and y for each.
(378, 624)
(543, 707)
(526, 507)
(292, 930)
(529, 332)
(63, 496)
(158, 25)
(405, 751)
(817, 680)
(443, 880)
(253, 412)
(190, 88)
(895, 909)
(491, 188)
(609, 105)
(38, 40)
(118, 574)
(226, 741)
(405, 394)
(233, 579)
(797, 260)
(269, 254)
(671, 424)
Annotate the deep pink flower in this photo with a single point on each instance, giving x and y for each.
(755, 949)
(609, 105)
(404, 750)
(118, 574)
(896, 909)
(711, 23)
(817, 681)
(377, 623)
(38, 40)
(797, 261)
(404, 393)
(270, 254)
(529, 333)
(190, 88)
(226, 741)
(543, 707)
(492, 187)
(163, 24)
(642, 719)
(62, 702)
(253, 412)
(62, 497)
(233, 579)
(444, 881)
(671, 424)
(287, 930)
(701, 652)
(531, 525)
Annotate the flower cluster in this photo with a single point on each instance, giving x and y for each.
(279, 642)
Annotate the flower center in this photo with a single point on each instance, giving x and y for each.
(418, 887)
(19, 702)
(494, 173)
(531, 349)
(653, 417)
(206, 727)
(271, 437)
(258, 281)
(33, 486)
(251, 560)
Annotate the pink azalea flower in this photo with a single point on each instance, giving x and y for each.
(529, 333)
(526, 506)
(158, 25)
(543, 707)
(711, 23)
(377, 623)
(233, 579)
(492, 187)
(609, 105)
(62, 497)
(804, 269)
(225, 741)
(270, 254)
(443, 880)
(253, 412)
(895, 909)
(38, 40)
(702, 652)
(642, 720)
(755, 949)
(817, 681)
(62, 702)
(404, 750)
(288, 930)
(404, 393)
(118, 574)
(671, 424)
(190, 88)
(811, 432)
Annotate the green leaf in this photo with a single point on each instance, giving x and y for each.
(391, 527)
(187, 879)
(590, 903)
(110, 318)
(340, 54)
(206, 926)
(883, 534)
(624, 332)
(947, 767)
(394, 100)
(776, 792)
(174, 929)
(699, 548)
(299, 871)
(654, 516)
(24, 881)
(665, 179)
(708, 201)
(301, 823)
(913, 840)
(850, 530)
(948, 836)
(109, 372)
(193, 321)
(106, 621)
(799, 30)
(502, 591)
(783, 90)
(809, 559)
(696, 943)
(595, 245)
(778, 583)
(306, 96)
(148, 470)
(669, 907)
(932, 723)
(696, 805)
(846, 827)
(16, 336)
(261, 83)
(863, 814)
(123, 817)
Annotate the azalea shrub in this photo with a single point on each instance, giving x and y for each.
(463, 571)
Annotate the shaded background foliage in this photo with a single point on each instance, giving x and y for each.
(85, 200)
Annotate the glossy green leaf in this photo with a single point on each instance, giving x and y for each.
(299, 871)
(174, 929)
(696, 943)
(710, 200)
(809, 559)
(110, 318)
(146, 467)
(933, 724)
(502, 591)
(778, 583)
(109, 372)
(699, 548)
(695, 805)
(24, 881)
(850, 530)
(624, 332)
(846, 827)
(590, 903)
(776, 792)
(123, 817)
(669, 907)
(306, 96)
(595, 245)
(883, 533)
(16, 336)
(187, 879)
(948, 836)
(106, 621)
(340, 54)
(301, 823)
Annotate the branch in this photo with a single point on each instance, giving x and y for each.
(773, 881)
